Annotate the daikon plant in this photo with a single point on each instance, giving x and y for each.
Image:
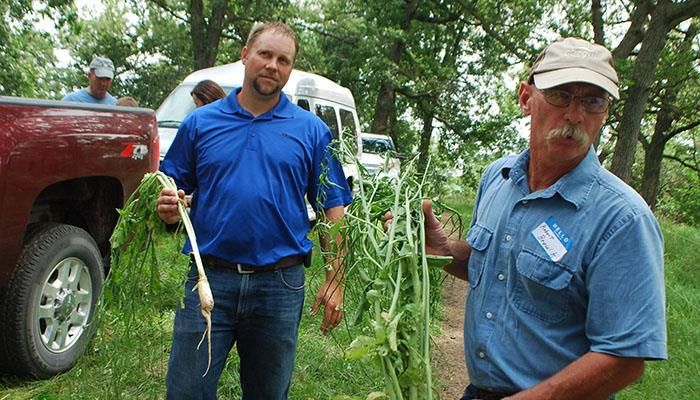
(133, 250)
(393, 277)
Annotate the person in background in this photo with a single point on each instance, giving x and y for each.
(251, 222)
(205, 92)
(127, 101)
(564, 260)
(100, 75)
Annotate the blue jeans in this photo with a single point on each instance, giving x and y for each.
(259, 313)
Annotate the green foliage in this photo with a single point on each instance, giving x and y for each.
(133, 37)
(676, 378)
(452, 64)
(133, 365)
(27, 65)
(680, 195)
(392, 284)
(447, 72)
(134, 247)
(135, 368)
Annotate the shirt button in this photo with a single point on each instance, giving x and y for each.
(524, 202)
(489, 315)
(501, 277)
(508, 238)
(482, 354)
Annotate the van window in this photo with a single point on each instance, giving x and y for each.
(327, 114)
(349, 129)
(303, 103)
(347, 121)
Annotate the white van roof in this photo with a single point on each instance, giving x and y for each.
(300, 83)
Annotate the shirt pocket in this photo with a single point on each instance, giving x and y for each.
(479, 237)
(541, 287)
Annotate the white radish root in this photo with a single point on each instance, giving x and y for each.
(206, 299)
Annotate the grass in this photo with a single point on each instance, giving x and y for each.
(128, 358)
(677, 378)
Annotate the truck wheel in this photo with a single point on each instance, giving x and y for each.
(50, 302)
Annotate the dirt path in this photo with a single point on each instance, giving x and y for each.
(449, 350)
(449, 346)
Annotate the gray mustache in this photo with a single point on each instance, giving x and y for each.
(568, 132)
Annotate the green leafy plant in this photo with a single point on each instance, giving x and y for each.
(391, 279)
(133, 251)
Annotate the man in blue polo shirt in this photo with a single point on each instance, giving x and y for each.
(251, 158)
(563, 259)
(100, 77)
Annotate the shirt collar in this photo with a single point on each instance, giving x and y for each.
(283, 109)
(573, 187)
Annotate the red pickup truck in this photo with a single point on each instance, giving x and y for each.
(64, 169)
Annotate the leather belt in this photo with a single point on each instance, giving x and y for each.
(483, 394)
(284, 262)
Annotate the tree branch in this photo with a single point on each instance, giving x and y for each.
(162, 4)
(684, 128)
(347, 40)
(486, 26)
(635, 33)
(682, 162)
(597, 22)
(682, 11)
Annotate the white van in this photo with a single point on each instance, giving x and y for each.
(379, 155)
(331, 102)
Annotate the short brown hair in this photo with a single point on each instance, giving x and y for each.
(127, 101)
(207, 91)
(278, 27)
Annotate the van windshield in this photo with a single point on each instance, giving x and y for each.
(375, 145)
(176, 107)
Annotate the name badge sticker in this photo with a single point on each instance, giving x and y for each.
(552, 238)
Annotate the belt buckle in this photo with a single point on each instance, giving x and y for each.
(243, 271)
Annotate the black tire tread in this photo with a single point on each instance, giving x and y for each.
(14, 357)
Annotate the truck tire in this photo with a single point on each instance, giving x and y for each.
(51, 301)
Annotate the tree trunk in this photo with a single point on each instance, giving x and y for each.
(598, 37)
(424, 146)
(663, 131)
(386, 97)
(206, 35)
(597, 21)
(633, 111)
(393, 132)
(653, 157)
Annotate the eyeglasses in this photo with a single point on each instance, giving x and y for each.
(562, 98)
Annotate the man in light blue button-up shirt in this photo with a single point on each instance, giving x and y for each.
(564, 260)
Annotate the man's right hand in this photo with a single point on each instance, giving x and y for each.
(167, 205)
(436, 240)
(437, 243)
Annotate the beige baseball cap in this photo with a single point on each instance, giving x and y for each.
(575, 60)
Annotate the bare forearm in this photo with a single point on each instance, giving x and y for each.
(595, 376)
(460, 251)
(330, 295)
(336, 272)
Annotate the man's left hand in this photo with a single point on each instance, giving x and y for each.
(330, 295)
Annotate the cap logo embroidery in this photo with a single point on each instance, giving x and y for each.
(579, 52)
